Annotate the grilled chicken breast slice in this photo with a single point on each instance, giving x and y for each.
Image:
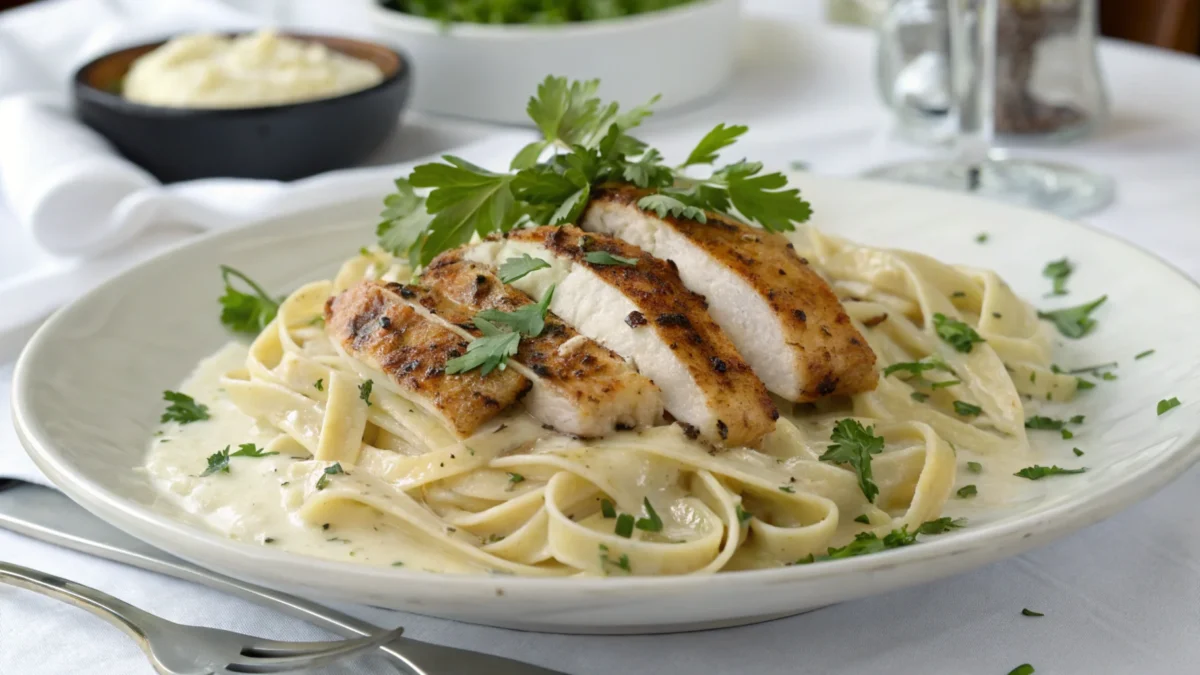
(374, 324)
(779, 313)
(579, 387)
(644, 313)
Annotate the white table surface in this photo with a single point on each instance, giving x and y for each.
(1119, 597)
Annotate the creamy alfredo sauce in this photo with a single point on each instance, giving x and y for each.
(213, 71)
(255, 501)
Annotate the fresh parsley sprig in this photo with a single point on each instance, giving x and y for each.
(183, 408)
(1038, 472)
(1074, 322)
(585, 144)
(492, 351)
(854, 445)
(243, 312)
(866, 543)
(218, 462)
(955, 333)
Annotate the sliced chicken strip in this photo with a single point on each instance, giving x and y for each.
(579, 387)
(372, 323)
(779, 313)
(644, 313)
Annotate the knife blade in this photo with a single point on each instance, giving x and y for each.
(50, 516)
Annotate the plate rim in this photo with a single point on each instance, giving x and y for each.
(1021, 533)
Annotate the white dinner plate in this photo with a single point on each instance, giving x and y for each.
(87, 397)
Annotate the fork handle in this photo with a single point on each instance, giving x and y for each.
(117, 612)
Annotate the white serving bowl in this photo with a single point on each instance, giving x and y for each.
(488, 72)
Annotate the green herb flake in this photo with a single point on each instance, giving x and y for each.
(1044, 423)
(955, 333)
(743, 515)
(651, 523)
(398, 563)
(967, 409)
(1083, 385)
(788, 489)
(320, 384)
(853, 445)
(919, 397)
(332, 470)
(1037, 472)
(364, 391)
(528, 320)
(1077, 451)
(624, 527)
(941, 525)
(183, 408)
(1067, 435)
(514, 478)
(974, 467)
(967, 491)
(1058, 271)
(1167, 404)
(1143, 355)
(607, 508)
(1074, 322)
(243, 312)
(863, 519)
(1023, 669)
(981, 238)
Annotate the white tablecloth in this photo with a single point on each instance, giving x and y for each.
(1119, 597)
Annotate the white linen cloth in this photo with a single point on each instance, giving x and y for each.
(1119, 597)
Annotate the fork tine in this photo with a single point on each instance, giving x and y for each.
(269, 656)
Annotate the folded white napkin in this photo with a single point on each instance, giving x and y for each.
(85, 211)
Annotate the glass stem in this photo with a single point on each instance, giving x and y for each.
(973, 63)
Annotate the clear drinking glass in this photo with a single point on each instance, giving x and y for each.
(976, 167)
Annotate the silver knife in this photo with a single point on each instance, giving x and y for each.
(50, 516)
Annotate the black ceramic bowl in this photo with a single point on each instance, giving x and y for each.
(282, 142)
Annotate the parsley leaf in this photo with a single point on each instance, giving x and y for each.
(868, 542)
(862, 518)
(967, 491)
(606, 258)
(1023, 669)
(486, 353)
(465, 199)
(918, 367)
(218, 462)
(1077, 451)
(515, 268)
(624, 527)
(331, 470)
(1167, 404)
(955, 333)
(941, 525)
(1037, 472)
(250, 450)
(713, 142)
(666, 205)
(1074, 322)
(403, 222)
(919, 397)
(621, 563)
(243, 312)
(319, 384)
(364, 391)
(1030, 612)
(1143, 355)
(1044, 423)
(183, 408)
(527, 320)
(514, 478)
(854, 445)
(981, 238)
(607, 509)
(1058, 271)
(652, 523)
(967, 409)
(743, 515)
(974, 467)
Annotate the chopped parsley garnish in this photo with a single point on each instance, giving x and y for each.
(606, 258)
(488, 352)
(1037, 472)
(320, 384)
(974, 467)
(528, 320)
(218, 462)
(1144, 354)
(1058, 271)
(862, 518)
(866, 543)
(332, 470)
(1074, 322)
(398, 563)
(651, 523)
(183, 408)
(918, 367)
(1030, 612)
(514, 478)
(788, 489)
(244, 312)
(624, 527)
(621, 563)
(585, 143)
(1167, 404)
(1044, 423)
(364, 391)
(981, 238)
(967, 409)
(967, 491)
(854, 445)
(1077, 451)
(515, 268)
(955, 333)
(1067, 435)
(943, 384)
(1077, 419)
(607, 508)
(940, 525)
(743, 515)
(919, 397)
(1023, 669)
(1083, 385)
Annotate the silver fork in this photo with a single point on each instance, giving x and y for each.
(176, 649)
